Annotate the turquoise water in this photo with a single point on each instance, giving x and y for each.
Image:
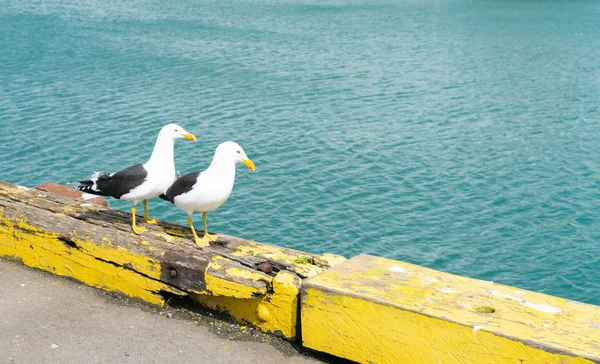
(459, 135)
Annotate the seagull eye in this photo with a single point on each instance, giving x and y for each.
(177, 130)
(238, 152)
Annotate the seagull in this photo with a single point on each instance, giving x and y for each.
(141, 181)
(207, 190)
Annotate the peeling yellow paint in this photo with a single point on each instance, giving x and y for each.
(244, 274)
(22, 224)
(278, 254)
(176, 233)
(233, 286)
(274, 312)
(223, 287)
(265, 251)
(377, 310)
(71, 209)
(328, 259)
(307, 270)
(10, 189)
(215, 263)
(87, 263)
(166, 237)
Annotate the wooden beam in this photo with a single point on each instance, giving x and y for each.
(95, 245)
(375, 310)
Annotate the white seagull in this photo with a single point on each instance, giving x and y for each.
(142, 181)
(207, 190)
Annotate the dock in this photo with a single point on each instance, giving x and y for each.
(366, 309)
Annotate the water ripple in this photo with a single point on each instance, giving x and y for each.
(456, 136)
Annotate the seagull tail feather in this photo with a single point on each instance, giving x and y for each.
(90, 185)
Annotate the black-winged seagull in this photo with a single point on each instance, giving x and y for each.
(141, 181)
(207, 190)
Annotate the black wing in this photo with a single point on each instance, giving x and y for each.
(122, 182)
(182, 185)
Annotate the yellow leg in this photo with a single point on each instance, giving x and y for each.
(148, 219)
(200, 242)
(136, 229)
(206, 234)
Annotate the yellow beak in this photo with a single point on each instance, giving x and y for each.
(189, 136)
(249, 164)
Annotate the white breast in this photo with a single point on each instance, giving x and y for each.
(210, 191)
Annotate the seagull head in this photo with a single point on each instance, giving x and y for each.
(175, 131)
(232, 152)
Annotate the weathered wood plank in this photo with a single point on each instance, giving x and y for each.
(95, 245)
(225, 277)
(375, 310)
(275, 312)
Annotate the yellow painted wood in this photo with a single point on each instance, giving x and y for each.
(45, 251)
(96, 246)
(223, 278)
(286, 257)
(376, 310)
(274, 312)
